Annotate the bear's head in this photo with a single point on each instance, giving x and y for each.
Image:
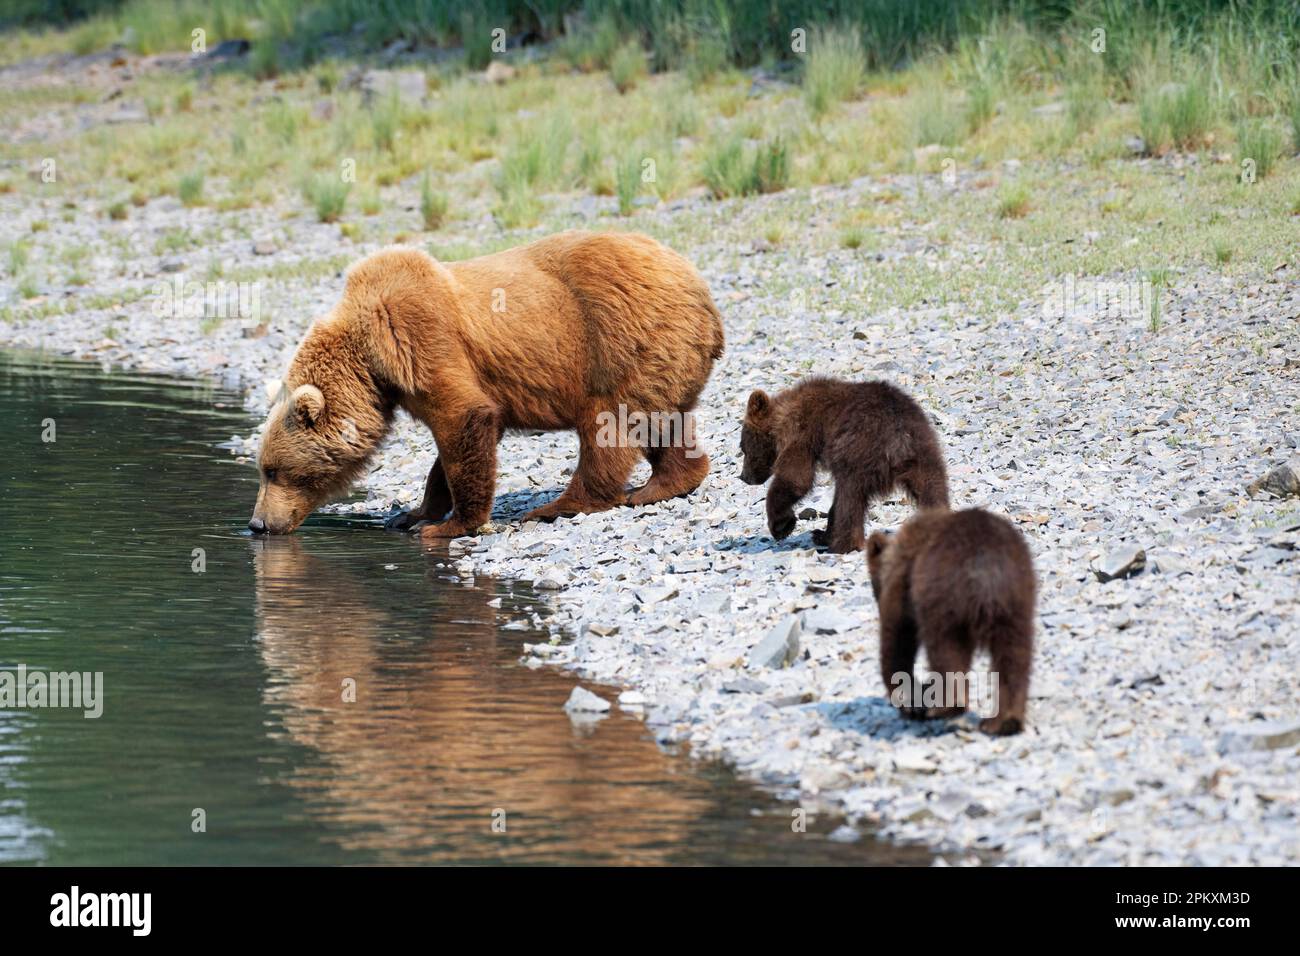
(758, 439)
(324, 425)
(345, 382)
(877, 560)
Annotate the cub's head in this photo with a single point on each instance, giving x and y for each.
(878, 547)
(757, 439)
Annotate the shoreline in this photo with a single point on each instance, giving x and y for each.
(1091, 433)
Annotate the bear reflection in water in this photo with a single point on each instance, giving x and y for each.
(446, 728)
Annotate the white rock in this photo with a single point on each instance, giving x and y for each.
(584, 701)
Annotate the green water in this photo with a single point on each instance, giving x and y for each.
(224, 675)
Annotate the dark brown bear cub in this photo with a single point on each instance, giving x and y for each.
(955, 582)
(871, 436)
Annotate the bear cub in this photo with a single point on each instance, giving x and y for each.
(871, 436)
(954, 582)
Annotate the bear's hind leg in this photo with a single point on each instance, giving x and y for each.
(1012, 650)
(848, 514)
(674, 471)
(436, 504)
(927, 485)
(598, 484)
(948, 652)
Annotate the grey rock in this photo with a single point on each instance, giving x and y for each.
(1259, 735)
(828, 619)
(584, 701)
(780, 647)
(408, 86)
(1123, 563)
(744, 685)
(1280, 482)
(649, 597)
(551, 579)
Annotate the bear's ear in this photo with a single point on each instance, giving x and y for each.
(274, 390)
(306, 405)
(877, 544)
(759, 404)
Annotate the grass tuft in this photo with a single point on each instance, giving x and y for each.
(835, 68)
(328, 195)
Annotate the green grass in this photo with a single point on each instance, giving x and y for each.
(835, 69)
(627, 67)
(627, 179)
(18, 256)
(1175, 114)
(1013, 201)
(328, 195)
(1259, 143)
(190, 189)
(731, 169)
(433, 205)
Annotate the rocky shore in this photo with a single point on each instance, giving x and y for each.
(1163, 721)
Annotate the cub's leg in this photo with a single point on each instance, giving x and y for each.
(436, 504)
(848, 514)
(673, 472)
(1012, 653)
(898, 657)
(792, 478)
(927, 485)
(468, 452)
(598, 483)
(949, 652)
(822, 536)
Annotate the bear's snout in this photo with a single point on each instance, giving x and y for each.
(257, 525)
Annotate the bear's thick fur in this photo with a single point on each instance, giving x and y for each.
(954, 582)
(871, 436)
(544, 336)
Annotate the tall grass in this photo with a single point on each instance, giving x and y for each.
(835, 69)
(1260, 142)
(627, 66)
(732, 170)
(1175, 114)
(328, 195)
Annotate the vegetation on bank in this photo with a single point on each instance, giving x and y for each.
(1002, 97)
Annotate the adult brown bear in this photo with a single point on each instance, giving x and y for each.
(569, 332)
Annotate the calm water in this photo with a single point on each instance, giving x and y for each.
(224, 688)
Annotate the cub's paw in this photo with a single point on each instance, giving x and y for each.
(406, 521)
(781, 525)
(1002, 726)
(821, 537)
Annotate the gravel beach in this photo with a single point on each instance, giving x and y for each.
(1163, 721)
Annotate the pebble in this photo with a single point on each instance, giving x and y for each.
(584, 701)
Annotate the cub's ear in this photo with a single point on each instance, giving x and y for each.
(306, 405)
(759, 404)
(877, 544)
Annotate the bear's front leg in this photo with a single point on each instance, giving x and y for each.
(792, 478)
(437, 501)
(822, 536)
(468, 452)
